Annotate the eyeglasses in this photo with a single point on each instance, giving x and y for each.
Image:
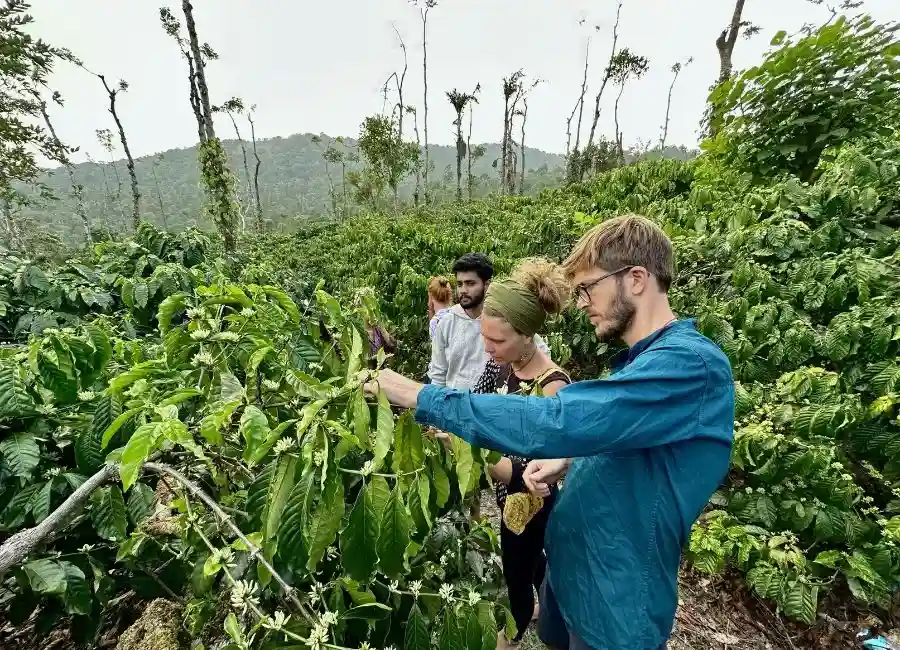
(583, 291)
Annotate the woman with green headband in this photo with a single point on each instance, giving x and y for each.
(515, 309)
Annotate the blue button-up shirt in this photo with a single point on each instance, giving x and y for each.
(650, 443)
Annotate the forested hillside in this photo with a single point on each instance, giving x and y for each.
(292, 176)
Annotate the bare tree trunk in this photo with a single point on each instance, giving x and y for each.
(241, 142)
(195, 97)
(115, 168)
(469, 153)
(460, 152)
(129, 161)
(77, 189)
(106, 218)
(522, 147)
(725, 45)
(504, 146)
(579, 105)
(619, 152)
(259, 213)
(726, 41)
(162, 211)
(606, 74)
(665, 130)
(199, 72)
(15, 239)
(417, 193)
(424, 13)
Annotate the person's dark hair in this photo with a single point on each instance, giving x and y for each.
(477, 263)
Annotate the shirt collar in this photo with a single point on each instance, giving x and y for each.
(628, 355)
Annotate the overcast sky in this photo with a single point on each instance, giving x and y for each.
(318, 66)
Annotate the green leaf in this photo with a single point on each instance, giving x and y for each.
(778, 39)
(254, 429)
(139, 446)
(40, 505)
(354, 363)
(279, 490)
(89, 443)
(393, 536)
(326, 522)
(167, 310)
(296, 510)
(368, 611)
(141, 500)
(358, 540)
(829, 558)
(21, 453)
(267, 444)
(14, 398)
(77, 595)
(465, 463)
(233, 628)
(141, 295)
(451, 637)
(108, 513)
(416, 636)
(473, 634)
(384, 431)
(441, 482)
(485, 613)
(117, 424)
(46, 576)
(362, 416)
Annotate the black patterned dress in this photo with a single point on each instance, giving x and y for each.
(524, 563)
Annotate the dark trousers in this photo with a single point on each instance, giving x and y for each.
(524, 566)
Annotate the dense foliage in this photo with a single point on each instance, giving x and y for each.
(248, 404)
(207, 416)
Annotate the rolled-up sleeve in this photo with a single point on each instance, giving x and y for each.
(646, 404)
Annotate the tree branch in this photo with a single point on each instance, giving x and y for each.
(255, 552)
(19, 546)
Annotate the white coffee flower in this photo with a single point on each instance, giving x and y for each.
(394, 587)
(474, 597)
(196, 312)
(278, 621)
(86, 395)
(331, 552)
(283, 445)
(318, 458)
(271, 384)
(200, 334)
(247, 312)
(446, 592)
(244, 594)
(415, 587)
(329, 618)
(368, 467)
(231, 337)
(203, 358)
(318, 636)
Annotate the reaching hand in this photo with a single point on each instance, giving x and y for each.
(399, 390)
(540, 475)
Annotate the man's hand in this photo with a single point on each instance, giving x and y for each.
(400, 391)
(540, 475)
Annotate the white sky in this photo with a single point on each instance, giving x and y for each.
(314, 66)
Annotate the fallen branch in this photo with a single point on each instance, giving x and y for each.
(255, 552)
(19, 546)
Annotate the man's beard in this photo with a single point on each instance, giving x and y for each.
(471, 302)
(618, 318)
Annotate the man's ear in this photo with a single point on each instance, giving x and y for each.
(487, 284)
(640, 280)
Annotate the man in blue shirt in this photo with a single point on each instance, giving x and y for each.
(642, 450)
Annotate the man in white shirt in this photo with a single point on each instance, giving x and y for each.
(457, 349)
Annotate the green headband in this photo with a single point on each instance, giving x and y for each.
(519, 306)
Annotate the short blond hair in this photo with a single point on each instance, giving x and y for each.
(627, 240)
